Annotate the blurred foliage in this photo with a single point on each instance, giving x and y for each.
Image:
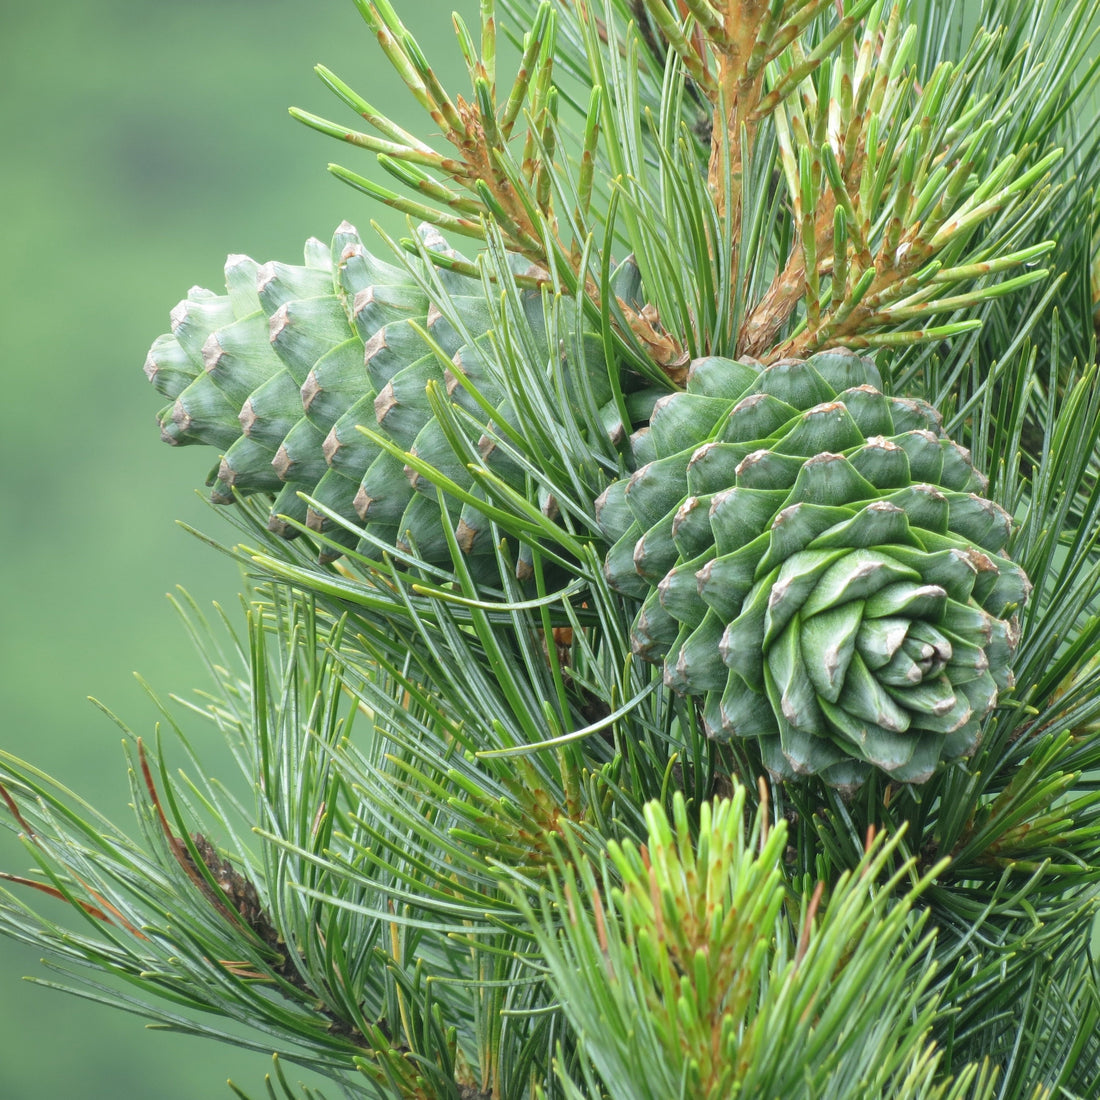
(141, 143)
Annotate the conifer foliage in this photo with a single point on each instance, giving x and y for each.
(669, 655)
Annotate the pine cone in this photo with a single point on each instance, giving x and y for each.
(816, 561)
(278, 373)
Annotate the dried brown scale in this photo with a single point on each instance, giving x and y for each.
(238, 900)
(244, 898)
(889, 274)
(788, 289)
(238, 890)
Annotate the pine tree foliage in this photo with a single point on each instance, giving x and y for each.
(489, 839)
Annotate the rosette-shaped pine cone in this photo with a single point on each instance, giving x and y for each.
(279, 373)
(816, 561)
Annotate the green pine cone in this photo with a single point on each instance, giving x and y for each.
(278, 373)
(817, 563)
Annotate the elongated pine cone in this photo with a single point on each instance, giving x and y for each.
(817, 562)
(279, 373)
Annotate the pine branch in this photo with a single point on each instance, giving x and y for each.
(659, 956)
(483, 848)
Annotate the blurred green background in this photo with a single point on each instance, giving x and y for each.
(143, 141)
